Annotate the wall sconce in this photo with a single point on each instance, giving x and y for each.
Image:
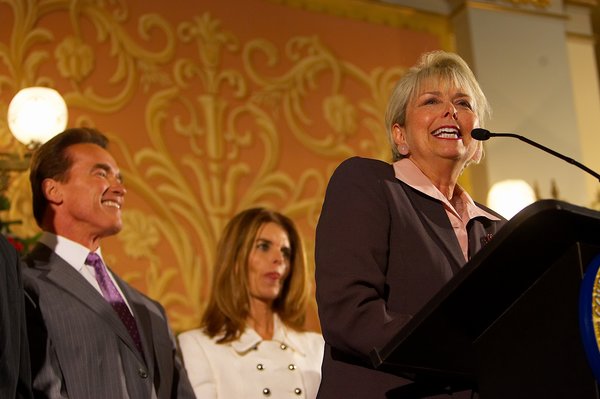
(35, 115)
(508, 197)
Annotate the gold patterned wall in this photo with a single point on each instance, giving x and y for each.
(212, 107)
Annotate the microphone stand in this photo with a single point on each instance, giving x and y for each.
(548, 150)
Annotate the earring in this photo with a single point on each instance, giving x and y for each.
(403, 149)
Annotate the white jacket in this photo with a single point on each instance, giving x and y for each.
(288, 366)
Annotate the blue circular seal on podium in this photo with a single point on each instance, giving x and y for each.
(589, 314)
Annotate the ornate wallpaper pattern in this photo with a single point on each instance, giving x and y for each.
(211, 107)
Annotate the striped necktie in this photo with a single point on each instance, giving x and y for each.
(111, 294)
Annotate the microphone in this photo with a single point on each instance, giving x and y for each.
(484, 134)
(481, 134)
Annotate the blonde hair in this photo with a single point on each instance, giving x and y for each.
(229, 302)
(446, 67)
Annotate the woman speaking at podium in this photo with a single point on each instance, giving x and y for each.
(391, 235)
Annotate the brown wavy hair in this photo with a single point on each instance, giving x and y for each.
(229, 302)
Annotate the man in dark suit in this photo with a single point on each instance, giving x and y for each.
(15, 375)
(91, 334)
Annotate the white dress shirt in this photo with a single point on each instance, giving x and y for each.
(287, 366)
(75, 255)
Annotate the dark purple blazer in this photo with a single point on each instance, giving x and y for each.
(15, 373)
(382, 251)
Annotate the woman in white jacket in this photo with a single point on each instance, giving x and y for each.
(251, 342)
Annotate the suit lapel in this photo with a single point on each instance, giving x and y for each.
(433, 216)
(142, 318)
(61, 274)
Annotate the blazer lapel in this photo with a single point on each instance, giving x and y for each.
(142, 319)
(433, 216)
(64, 276)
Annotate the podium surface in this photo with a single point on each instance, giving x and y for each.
(507, 324)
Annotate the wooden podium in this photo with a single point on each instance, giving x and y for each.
(508, 324)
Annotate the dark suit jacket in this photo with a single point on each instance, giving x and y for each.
(15, 375)
(383, 250)
(81, 349)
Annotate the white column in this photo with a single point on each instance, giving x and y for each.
(521, 57)
(584, 77)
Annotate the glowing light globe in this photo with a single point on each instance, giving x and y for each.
(36, 114)
(508, 197)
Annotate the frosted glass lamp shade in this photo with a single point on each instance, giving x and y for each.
(508, 197)
(36, 114)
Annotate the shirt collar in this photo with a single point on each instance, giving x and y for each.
(72, 252)
(250, 338)
(406, 171)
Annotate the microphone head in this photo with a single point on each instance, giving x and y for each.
(480, 134)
